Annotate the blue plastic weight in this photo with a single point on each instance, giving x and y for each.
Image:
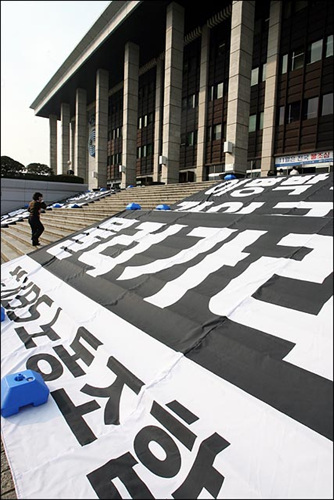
(162, 207)
(3, 314)
(229, 177)
(22, 389)
(133, 206)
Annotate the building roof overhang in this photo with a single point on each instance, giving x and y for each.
(139, 21)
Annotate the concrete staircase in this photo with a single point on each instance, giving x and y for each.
(58, 223)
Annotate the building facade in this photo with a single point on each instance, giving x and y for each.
(159, 91)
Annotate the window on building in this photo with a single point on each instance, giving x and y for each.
(192, 101)
(220, 90)
(264, 72)
(281, 114)
(191, 138)
(314, 52)
(327, 104)
(311, 108)
(252, 123)
(209, 134)
(255, 76)
(329, 46)
(189, 102)
(293, 112)
(284, 67)
(261, 120)
(297, 60)
(217, 132)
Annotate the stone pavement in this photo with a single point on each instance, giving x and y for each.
(7, 485)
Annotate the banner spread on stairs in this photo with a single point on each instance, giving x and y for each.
(188, 352)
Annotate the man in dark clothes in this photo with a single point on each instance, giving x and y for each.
(35, 207)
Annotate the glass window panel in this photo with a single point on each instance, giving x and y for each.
(252, 123)
(329, 46)
(264, 71)
(255, 76)
(315, 51)
(261, 120)
(220, 88)
(297, 59)
(284, 64)
(293, 112)
(209, 134)
(311, 108)
(281, 115)
(327, 104)
(217, 132)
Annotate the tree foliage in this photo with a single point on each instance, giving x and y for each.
(11, 167)
(39, 168)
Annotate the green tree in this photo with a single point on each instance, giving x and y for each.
(39, 169)
(10, 167)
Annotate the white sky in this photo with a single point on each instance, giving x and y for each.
(36, 38)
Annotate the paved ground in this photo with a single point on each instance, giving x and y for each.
(7, 485)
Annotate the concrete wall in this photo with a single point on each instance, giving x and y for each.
(15, 193)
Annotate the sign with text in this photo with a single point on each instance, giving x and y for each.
(188, 352)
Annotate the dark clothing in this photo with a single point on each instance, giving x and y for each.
(37, 227)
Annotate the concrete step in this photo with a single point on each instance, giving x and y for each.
(25, 233)
(59, 223)
(17, 246)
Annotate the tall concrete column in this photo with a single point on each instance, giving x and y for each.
(53, 142)
(72, 142)
(101, 126)
(267, 162)
(158, 118)
(242, 31)
(65, 136)
(80, 147)
(171, 135)
(203, 103)
(130, 114)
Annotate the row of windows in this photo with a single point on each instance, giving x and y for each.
(309, 108)
(115, 133)
(145, 120)
(258, 74)
(146, 90)
(144, 151)
(115, 159)
(314, 53)
(190, 102)
(189, 139)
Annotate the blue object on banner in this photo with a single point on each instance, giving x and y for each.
(131, 186)
(26, 205)
(75, 205)
(133, 206)
(57, 205)
(22, 389)
(103, 189)
(3, 314)
(162, 207)
(229, 177)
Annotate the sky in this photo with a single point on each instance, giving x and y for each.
(36, 38)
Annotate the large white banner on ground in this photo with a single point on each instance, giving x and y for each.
(188, 355)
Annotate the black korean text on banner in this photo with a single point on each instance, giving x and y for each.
(167, 258)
